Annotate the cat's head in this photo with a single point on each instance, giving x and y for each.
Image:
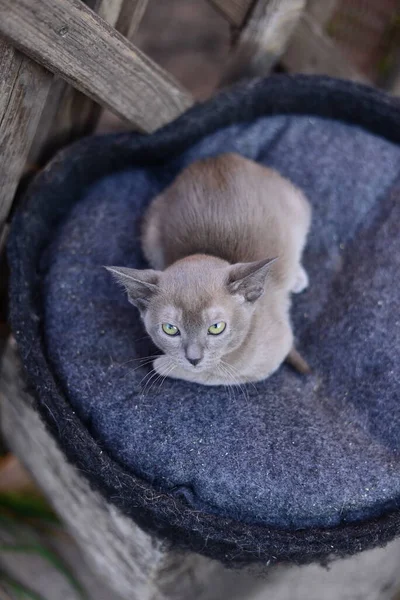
(199, 309)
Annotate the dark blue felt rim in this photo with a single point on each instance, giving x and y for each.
(50, 197)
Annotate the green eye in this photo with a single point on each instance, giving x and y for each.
(217, 328)
(170, 329)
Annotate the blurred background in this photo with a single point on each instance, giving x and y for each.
(192, 41)
(357, 39)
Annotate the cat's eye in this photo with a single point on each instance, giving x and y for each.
(217, 328)
(170, 329)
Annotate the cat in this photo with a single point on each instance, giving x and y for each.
(225, 242)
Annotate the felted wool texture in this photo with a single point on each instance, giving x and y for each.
(300, 467)
(290, 451)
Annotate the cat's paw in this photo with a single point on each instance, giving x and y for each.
(301, 281)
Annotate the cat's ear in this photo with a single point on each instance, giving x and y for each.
(248, 279)
(139, 284)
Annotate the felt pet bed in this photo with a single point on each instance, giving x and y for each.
(290, 469)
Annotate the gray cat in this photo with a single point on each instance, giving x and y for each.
(225, 241)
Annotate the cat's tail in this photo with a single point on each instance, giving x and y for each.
(295, 360)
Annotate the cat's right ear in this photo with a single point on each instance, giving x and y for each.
(248, 279)
(139, 284)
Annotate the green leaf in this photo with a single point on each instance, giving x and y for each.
(27, 506)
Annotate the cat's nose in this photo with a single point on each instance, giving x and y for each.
(194, 361)
(194, 353)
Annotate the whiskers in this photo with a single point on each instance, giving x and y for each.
(139, 363)
(151, 379)
(232, 374)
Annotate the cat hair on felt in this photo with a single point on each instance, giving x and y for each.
(225, 242)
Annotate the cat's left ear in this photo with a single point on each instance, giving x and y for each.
(140, 285)
(248, 279)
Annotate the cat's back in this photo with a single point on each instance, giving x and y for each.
(225, 206)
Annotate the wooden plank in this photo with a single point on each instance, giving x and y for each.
(75, 43)
(3, 238)
(130, 17)
(108, 10)
(311, 51)
(234, 11)
(69, 114)
(25, 111)
(4, 329)
(263, 39)
(392, 82)
(321, 10)
(24, 87)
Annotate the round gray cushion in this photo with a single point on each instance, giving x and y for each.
(289, 469)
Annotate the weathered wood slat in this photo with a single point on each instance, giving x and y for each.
(392, 81)
(3, 238)
(66, 114)
(130, 17)
(75, 43)
(263, 39)
(24, 86)
(234, 11)
(310, 50)
(108, 10)
(321, 10)
(69, 114)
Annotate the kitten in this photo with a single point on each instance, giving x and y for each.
(225, 242)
